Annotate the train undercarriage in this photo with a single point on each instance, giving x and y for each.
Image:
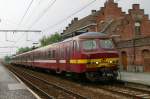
(103, 74)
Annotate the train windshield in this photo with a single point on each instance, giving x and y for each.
(106, 43)
(89, 44)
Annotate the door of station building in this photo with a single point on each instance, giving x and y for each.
(146, 60)
(124, 60)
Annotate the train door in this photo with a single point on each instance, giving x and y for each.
(63, 60)
(68, 54)
(57, 57)
(74, 48)
(124, 60)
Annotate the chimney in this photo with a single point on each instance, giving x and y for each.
(108, 2)
(93, 11)
(111, 1)
(69, 24)
(64, 31)
(136, 6)
(67, 27)
(75, 19)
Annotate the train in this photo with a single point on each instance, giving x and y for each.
(92, 55)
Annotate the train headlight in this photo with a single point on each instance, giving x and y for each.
(97, 63)
(111, 62)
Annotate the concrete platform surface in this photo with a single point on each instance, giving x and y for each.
(141, 78)
(11, 88)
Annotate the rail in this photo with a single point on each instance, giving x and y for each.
(46, 86)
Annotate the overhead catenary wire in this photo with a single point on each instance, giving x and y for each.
(38, 17)
(61, 21)
(23, 19)
(45, 11)
(84, 7)
(34, 9)
(26, 12)
(42, 14)
(24, 16)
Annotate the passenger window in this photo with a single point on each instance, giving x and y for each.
(62, 53)
(53, 54)
(68, 51)
(49, 54)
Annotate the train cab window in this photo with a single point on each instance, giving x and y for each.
(89, 44)
(106, 43)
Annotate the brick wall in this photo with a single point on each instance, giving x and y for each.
(124, 25)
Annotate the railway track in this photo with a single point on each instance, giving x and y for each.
(47, 90)
(129, 91)
(121, 90)
(68, 84)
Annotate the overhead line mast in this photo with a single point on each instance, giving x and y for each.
(20, 31)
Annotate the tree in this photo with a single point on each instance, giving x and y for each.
(23, 49)
(50, 39)
(7, 59)
(44, 41)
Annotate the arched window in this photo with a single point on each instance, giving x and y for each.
(124, 60)
(137, 28)
(146, 56)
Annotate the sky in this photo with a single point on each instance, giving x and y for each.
(49, 16)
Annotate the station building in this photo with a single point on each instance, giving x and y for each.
(133, 27)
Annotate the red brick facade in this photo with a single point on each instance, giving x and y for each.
(133, 28)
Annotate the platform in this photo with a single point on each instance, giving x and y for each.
(141, 78)
(12, 88)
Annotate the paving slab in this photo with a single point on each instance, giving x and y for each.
(141, 78)
(11, 88)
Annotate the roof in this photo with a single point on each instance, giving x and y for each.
(86, 21)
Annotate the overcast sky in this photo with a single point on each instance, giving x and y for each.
(42, 16)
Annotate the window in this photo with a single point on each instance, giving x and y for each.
(62, 52)
(89, 44)
(49, 54)
(137, 28)
(68, 51)
(53, 54)
(106, 43)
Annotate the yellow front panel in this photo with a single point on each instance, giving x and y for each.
(102, 62)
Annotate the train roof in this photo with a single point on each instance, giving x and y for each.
(88, 35)
(81, 36)
(91, 35)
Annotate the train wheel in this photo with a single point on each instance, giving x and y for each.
(91, 76)
(58, 71)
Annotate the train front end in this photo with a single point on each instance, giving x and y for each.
(101, 58)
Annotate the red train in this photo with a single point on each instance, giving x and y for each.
(90, 54)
